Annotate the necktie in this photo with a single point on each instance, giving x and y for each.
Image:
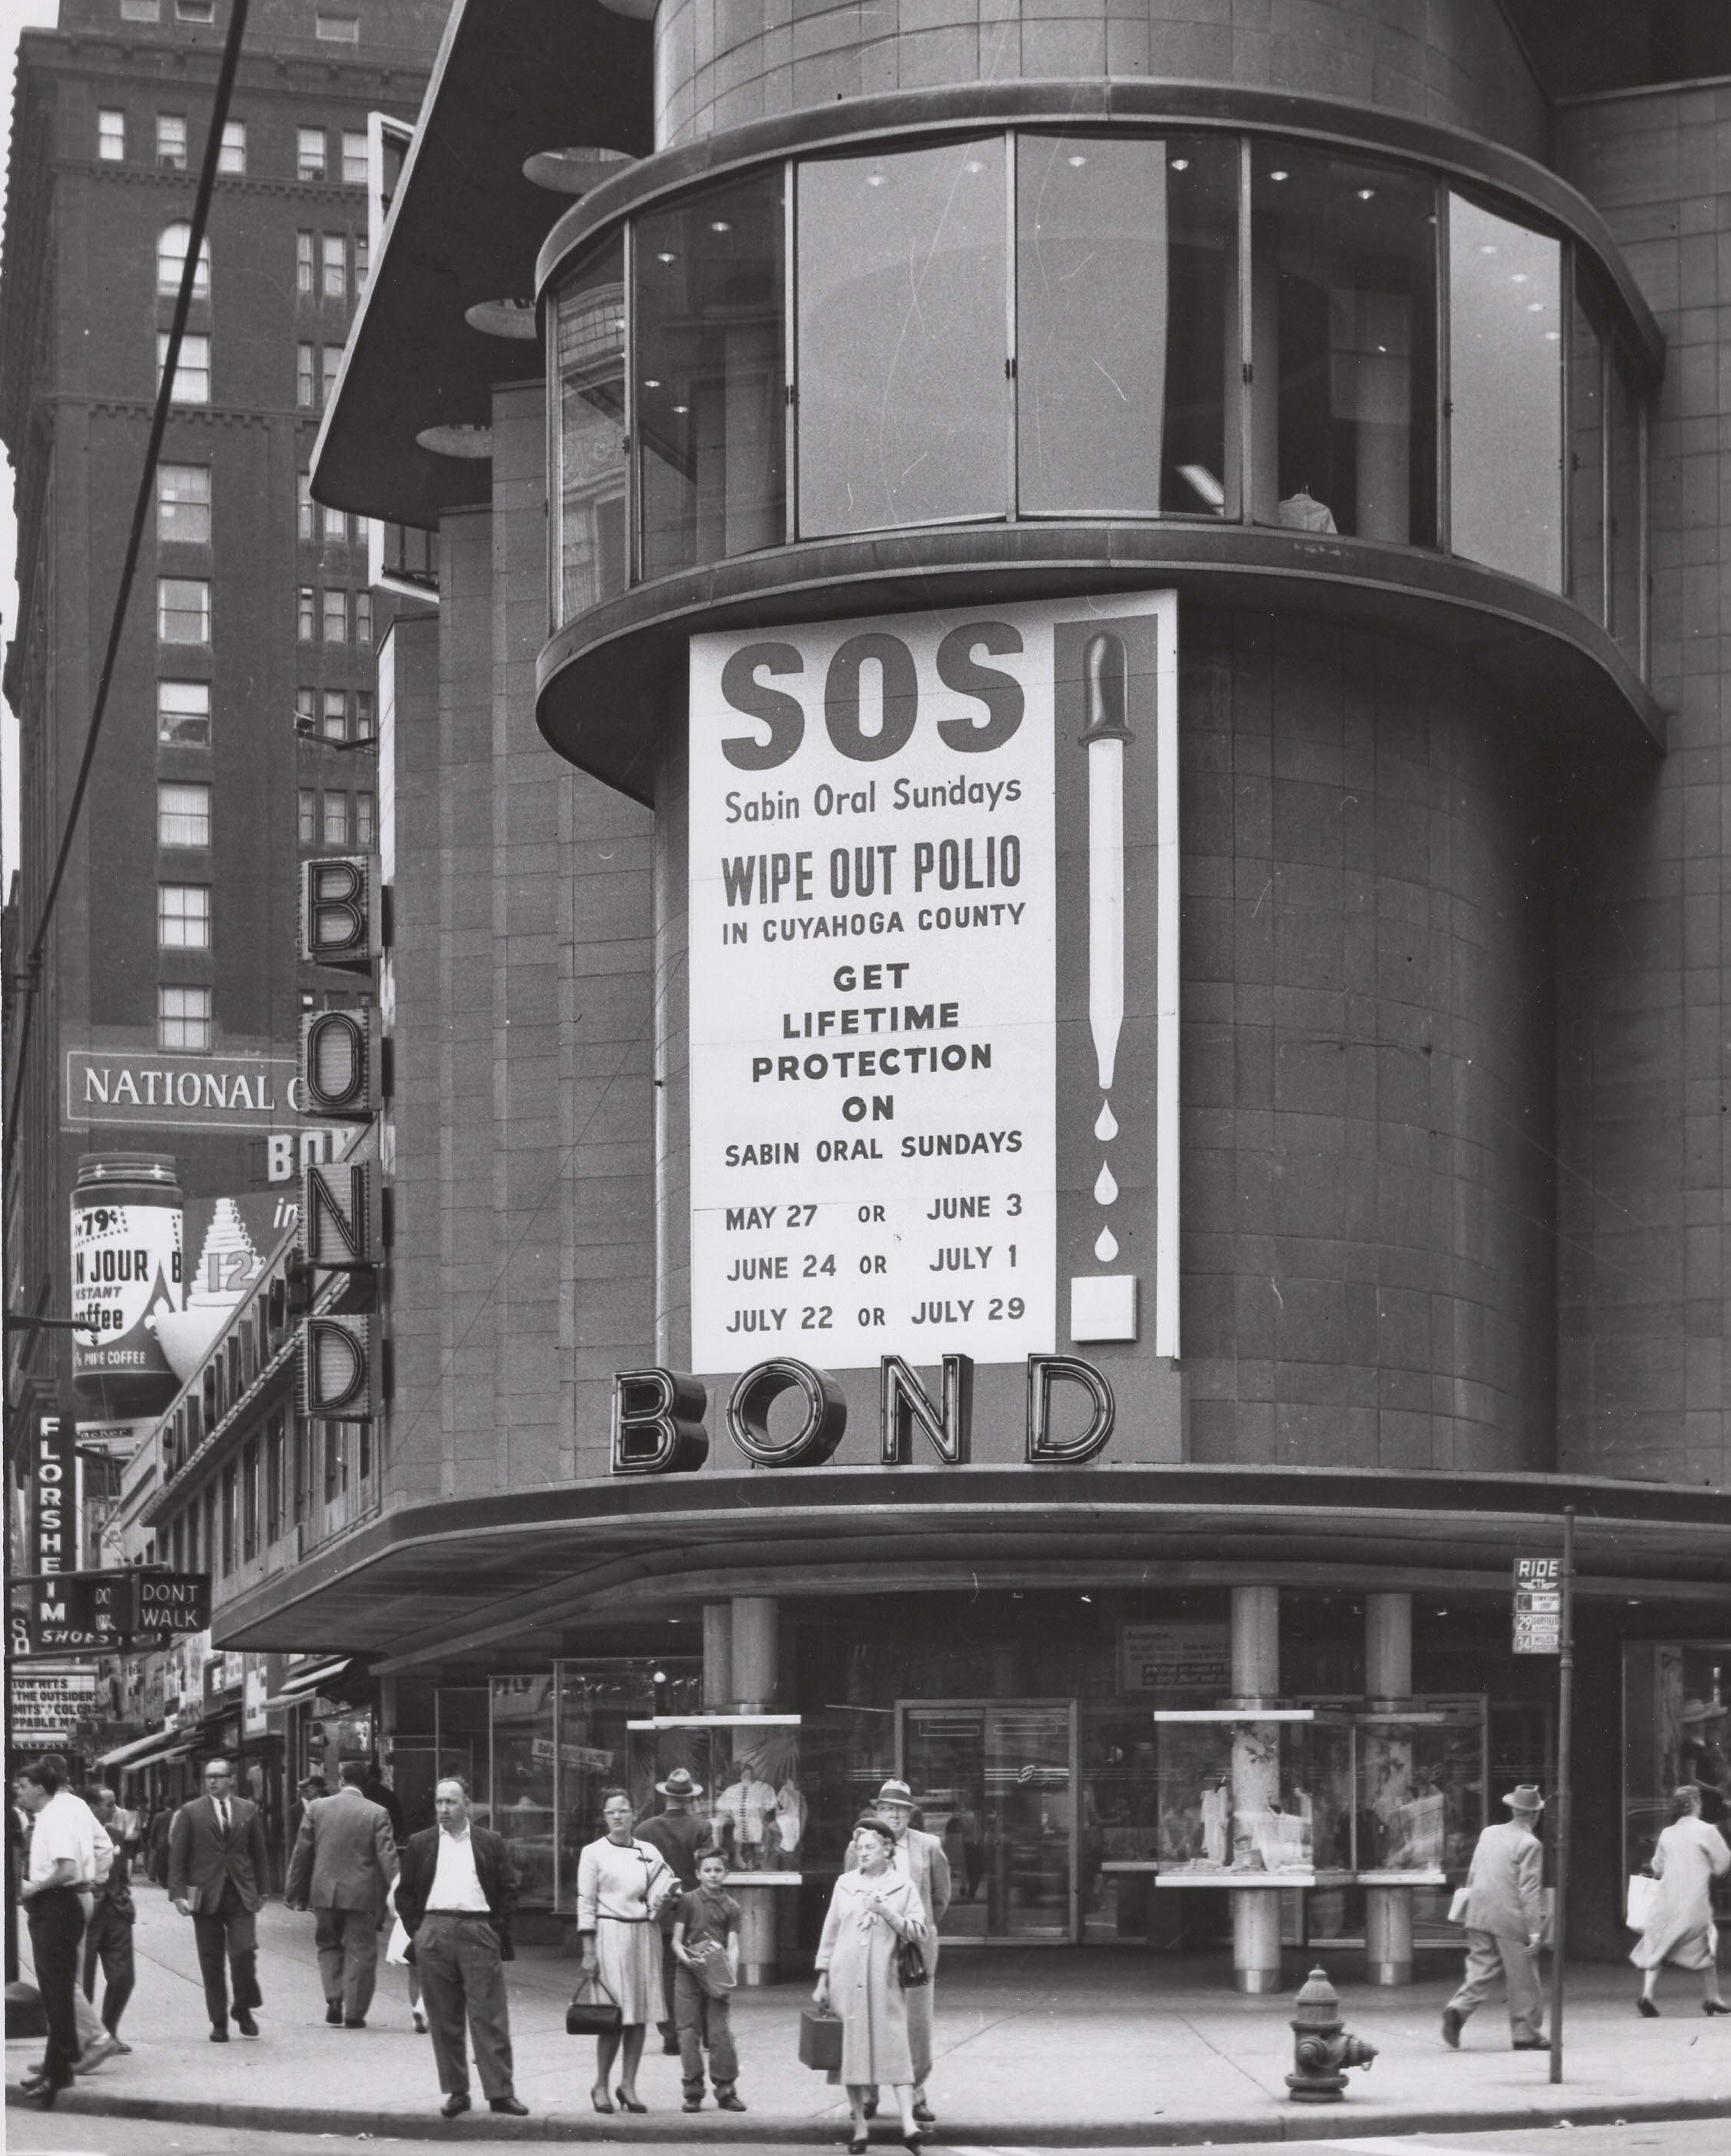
(223, 1816)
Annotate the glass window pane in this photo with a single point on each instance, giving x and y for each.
(1626, 512)
(1586, 460)
(183, 504)
(182, 610)
(183, 713)
(589, 395)
(337, 820)
(110, 136)
(901, 275)
(1343, 397)
(191, 374)
(1128, 364)
(182, 815)
(1505, 390)
(310, 152)
(710, 399)
(232, 156)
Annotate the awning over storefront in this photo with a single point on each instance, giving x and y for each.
(300, 1685)
(147, 1751)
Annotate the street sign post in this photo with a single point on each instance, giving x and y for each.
(1544, 1624)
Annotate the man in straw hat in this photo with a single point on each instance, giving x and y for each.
(1504, 1917)
(920, 1856)
(682, 1837)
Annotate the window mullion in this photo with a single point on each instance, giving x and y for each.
(1012, 387)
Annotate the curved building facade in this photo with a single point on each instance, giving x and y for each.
(989, 1117)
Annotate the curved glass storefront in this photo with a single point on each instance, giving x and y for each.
(1041, 324)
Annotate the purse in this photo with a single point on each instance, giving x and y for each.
(597, 2015)
(1458, 1907)
(910, 1969)
(1639, 1902)
(820, 2040)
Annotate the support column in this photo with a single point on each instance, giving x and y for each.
(1388, 1681)
(717, 1657)
(1255, 1779)
(755, 1677)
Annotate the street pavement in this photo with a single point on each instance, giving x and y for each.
(1048, 2048)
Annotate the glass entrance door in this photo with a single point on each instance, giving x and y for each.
(996, 1780)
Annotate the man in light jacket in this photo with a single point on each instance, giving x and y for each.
(342, 1867)
(1504, 1918)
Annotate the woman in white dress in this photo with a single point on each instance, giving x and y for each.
(621, 1882)
(1690, 1856)
(872, 1910)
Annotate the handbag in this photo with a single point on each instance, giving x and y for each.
(597, 2013)
(1639, 1902)
(820, 2040)
(910, 1969)
(1458, 1907)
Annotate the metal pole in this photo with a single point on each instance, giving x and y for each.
(1565, 1717)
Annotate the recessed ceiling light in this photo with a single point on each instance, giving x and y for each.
(1553, 336)
(651, 382)
(1279, 176)
(1519, 277)
(975, 165)
(875, 180)
(1367, 194)
(1180, 164)
(1078, 161)
(666, 257)
(1486, 247)
(721, 224)
(681, 408)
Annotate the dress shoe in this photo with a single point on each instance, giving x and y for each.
(244, 2022)
(1531, 2044)
(42, 2093)
(869, 2108)
(454, 2107)
(96, 2055)
(420, 2022)
(923, 2112)
(727, 2100)
(1714, 2006)
(219, 2034)
(1451, 2020)
(1645, 2007)
(333, 2013)
(122, 2051)
(33, 2079)
(358, 2023)
(692, 2103)
(508, 2105)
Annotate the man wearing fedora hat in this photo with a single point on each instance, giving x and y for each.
(920, 1856)
(682, 1837)
(1504, 1917)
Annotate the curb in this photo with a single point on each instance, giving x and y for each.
(1329, 2122)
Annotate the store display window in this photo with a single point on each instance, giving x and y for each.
(746, 1766)
(1676, 1729)
(1239, 1794)
(1420, 1793)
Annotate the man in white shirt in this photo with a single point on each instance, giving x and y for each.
(455, 1893)
(56, 1892)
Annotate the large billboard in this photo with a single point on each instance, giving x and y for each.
(914, 843)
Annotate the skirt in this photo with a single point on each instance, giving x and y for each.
(628, 1959)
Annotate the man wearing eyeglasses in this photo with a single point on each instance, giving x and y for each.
(216, 1877)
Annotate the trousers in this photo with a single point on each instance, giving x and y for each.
(108, 1938)
(347, 1942)
(463, 1979)
(704, 2024)
(230, 1929)
(57, 1925)
(1487, 1955)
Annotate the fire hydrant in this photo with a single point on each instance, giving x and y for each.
(1323, 2050)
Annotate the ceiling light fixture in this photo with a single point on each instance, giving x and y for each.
(651, 382)
(1078, 161)
(721, 224)
(1367, 194)
(681, 408)
(875, 180)
(665, 257)
(1279, 176)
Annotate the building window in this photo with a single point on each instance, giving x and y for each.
(310, 153)
(110, 136)
(183, 714)
(229, 1478)
(191, 377)
(335, 616)
(189, 1519)
(354, 159)
(231, 157)
(183, 916)
(335, 1465)
(306, 617)
(183, 504)
(363, 263)
(140, 10)
(250, 1503)
(303, 504)
(363, 618)
(182, 814)
(182, 610)
(195, 10)
(335, 820)
(306, 801)
(274, 1451)
(183, 1018)
(172, 245)
(306, 378)
(171, 141)
(365, 828)
(305, 706)
(336, 715)
(337, 29)
(329, 359)
(335, 256)
(336, 525)
(303, 262)
(363, 715)
(588, 504)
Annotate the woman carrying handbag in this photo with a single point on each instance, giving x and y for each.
(1679, 1927)
(865, 1958)
(621, 1883)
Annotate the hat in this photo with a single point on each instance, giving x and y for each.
(1528, 1797)
(895, 1792)
(679, 1783)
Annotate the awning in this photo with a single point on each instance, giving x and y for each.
(142, 1750)
(302, 1685)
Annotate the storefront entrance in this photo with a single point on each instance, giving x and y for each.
(996, 1780)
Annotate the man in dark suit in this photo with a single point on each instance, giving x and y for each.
(216, 1877)
(455, 1895)
(342, 1868)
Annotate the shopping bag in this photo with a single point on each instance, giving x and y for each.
(820, 2040)
(711, 1967)
(1457, 1908)
(1640, 1902)
(396, 1953)
(593, 2010)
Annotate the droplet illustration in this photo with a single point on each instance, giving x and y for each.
(1105, 1124)
(1105, 1186)
(1105, 1249)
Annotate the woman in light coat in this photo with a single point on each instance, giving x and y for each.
(1690, 1856)
(621, 1882)
(872, 1910)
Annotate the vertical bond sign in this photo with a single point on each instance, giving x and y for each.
(1539, 1605)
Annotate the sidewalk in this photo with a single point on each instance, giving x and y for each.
(1050, 2048)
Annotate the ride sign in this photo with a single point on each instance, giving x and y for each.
(1539, 1605)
